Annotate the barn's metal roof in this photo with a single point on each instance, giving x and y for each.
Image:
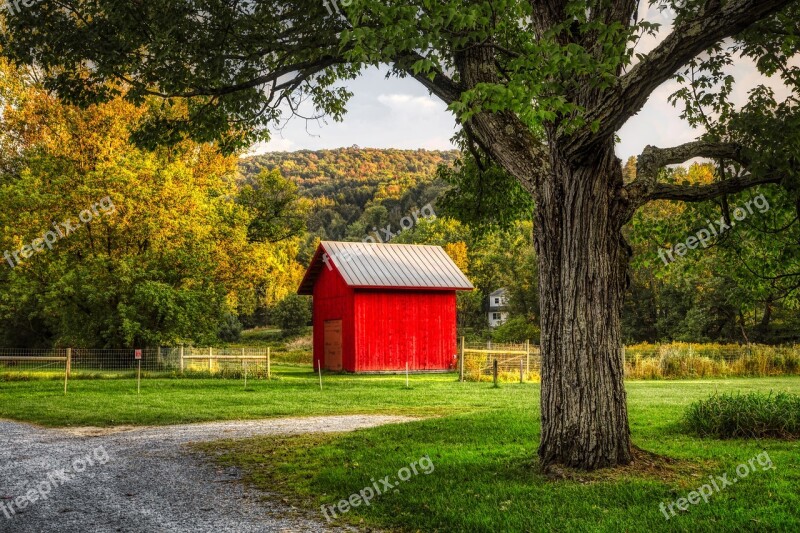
(406, 266)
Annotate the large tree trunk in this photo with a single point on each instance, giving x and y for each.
(582, 272)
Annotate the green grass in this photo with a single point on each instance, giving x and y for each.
(261, 337)
(752, 415)
(482, 442)
(486, 477)
(294, 391)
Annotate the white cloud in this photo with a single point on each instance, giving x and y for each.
(409, 103)
(274, 145)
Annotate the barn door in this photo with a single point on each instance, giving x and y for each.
(333, 345)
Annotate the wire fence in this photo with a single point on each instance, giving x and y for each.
(518, 361)
(522, 362)
(33, 360)
(223, 362)
(171, 360)
(688, 360)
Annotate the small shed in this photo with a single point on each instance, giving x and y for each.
(378, 307)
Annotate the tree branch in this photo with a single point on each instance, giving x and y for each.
(506, 138)
(646, 188)
(653, 158)
(714, 22)
(701, 193)
(441, 86)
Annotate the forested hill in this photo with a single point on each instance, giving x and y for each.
(326, 172)
(355, 189)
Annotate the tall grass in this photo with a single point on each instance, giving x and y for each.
(683, 360)
(752, 415)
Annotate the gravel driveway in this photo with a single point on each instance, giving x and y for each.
(143, 479)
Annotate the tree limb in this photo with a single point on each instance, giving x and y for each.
(700, 193)
(442, 86)
(653, 158)
(506, 138)
(713, 22)
(645, 187)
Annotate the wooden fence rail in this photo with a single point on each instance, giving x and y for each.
(509, 357)
(66, 359)
(211, 357)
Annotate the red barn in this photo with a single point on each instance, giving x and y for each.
(380, 306)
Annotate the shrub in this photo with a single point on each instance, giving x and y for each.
(292, 314)
(516, 329)
(746, 416)
(230, 330)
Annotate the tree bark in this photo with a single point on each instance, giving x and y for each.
(583, 261)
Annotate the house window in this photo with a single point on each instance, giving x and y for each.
(495, 316)
(497, 301)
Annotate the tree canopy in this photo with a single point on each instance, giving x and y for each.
(142, 247)
(236, 63)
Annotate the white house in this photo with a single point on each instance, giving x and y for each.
(498, 307)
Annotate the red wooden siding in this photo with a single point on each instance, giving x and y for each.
(395, 326)
(333, 300)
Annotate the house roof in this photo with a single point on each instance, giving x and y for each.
(397, 266)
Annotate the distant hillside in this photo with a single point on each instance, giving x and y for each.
(326, 172)
(356, 189)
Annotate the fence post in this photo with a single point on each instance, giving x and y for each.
(160, 357)
(269, 367)
(528, 356)
(69, 362)
(495, 373)
(210, 360)
(67, 369)
(461, 362)
(181, 354)
(520, 371)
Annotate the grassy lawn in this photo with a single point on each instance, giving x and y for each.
(481, 441)
(293, 391)
(485, 476)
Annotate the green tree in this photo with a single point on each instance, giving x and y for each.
(278, 211)
(483, 195)
(539, 87)
(157, 250)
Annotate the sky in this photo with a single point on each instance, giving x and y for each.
(399, 113)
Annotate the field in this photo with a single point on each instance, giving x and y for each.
(480, 440)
